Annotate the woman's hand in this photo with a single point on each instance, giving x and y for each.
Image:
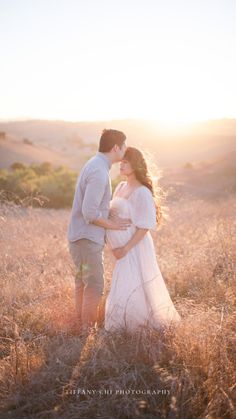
(120, 252)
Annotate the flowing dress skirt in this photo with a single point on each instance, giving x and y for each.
(138, 294)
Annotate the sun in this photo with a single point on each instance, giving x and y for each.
(178, 114)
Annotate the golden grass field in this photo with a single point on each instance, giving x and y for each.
(190, 370)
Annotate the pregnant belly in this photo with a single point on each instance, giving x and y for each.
(118, 238)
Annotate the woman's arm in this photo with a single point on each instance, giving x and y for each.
(120, 252)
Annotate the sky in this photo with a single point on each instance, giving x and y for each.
(170, 61)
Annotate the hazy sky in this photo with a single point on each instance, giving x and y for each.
(167, 60)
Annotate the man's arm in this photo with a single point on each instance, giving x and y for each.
(95, 189)
(118, 224)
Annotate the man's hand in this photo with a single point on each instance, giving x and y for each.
(113, 213)
(118, 223)
(120, 252)
(115, 223)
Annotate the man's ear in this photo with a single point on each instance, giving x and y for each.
(115, 148)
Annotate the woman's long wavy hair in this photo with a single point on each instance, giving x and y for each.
(143, 175)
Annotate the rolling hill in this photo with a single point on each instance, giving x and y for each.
(196, 142)
(198, 159)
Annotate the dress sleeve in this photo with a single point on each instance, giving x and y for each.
(143, 209)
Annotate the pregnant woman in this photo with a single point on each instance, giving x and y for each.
(138, 296)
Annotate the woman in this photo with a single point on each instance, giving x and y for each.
(138, 296)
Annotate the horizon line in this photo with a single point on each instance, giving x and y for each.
(151, 120)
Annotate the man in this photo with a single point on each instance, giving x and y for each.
(89, 219)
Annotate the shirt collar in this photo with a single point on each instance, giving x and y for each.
(105, 159)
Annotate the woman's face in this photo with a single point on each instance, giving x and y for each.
(126, 168)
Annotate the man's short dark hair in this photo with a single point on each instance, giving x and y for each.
(109, 138)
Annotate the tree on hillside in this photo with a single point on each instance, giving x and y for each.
(18, 166)
(27, 141)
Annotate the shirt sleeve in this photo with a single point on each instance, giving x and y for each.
(143, 209)
(94, 192)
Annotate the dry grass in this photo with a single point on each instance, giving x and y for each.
(47, 371)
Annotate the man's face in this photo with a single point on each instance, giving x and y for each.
(121, 151)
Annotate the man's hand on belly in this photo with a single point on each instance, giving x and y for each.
(113, 224)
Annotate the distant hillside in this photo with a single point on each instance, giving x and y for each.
(73, 142)
(14, 150)
(142, 130)
(186, 175)
(211, 179)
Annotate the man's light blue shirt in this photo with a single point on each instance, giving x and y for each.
(91, 200)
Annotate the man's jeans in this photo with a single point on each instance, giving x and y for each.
(89, 280)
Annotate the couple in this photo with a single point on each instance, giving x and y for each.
(138, 296)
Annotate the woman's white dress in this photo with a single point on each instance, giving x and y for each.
(138, 294)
